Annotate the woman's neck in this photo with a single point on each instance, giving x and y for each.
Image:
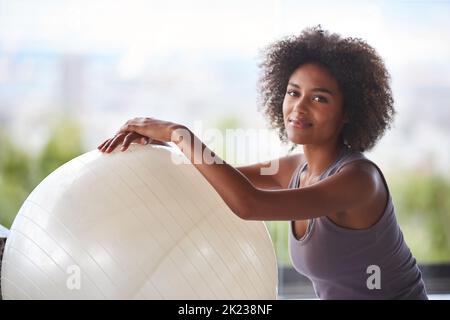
(319, 158)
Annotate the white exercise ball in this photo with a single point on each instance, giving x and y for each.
(134, 225)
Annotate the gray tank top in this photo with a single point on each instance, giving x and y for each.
(343, 263)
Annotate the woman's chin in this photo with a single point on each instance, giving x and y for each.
(297, 140)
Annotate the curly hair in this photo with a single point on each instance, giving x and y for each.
(358, 69)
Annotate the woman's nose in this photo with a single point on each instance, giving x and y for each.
(301, 104)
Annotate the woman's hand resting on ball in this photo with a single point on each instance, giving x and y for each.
(142, 131)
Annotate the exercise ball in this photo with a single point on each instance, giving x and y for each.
(134, 225)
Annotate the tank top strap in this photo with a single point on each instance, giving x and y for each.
(344, 156)
(295, 179)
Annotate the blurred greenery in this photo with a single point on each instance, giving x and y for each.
(21, 172)
(423, 211)
(421, 198)
(65, 143)
(15, 178)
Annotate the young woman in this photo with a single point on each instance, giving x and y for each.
(331, 95)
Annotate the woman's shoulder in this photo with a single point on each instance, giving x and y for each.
(368, 213)
(357, 161)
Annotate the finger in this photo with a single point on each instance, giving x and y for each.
(118, 139)
(101, 145)
(105, 145)
(115, 142)
(127, 141)
(143, 140)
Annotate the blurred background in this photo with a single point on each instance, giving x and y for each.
(72, 72)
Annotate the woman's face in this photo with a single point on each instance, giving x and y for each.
(313, 106)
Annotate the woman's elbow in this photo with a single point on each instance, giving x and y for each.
(242, 211)
(246, 208)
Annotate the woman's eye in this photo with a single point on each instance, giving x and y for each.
(292, 93)
(320, 99)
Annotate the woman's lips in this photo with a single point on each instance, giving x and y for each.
(299, 123)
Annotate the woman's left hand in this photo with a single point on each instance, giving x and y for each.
(157, 131)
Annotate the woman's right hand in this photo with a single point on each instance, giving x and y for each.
(126, 138)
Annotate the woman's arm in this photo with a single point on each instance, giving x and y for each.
(352, 187)
(355, 185)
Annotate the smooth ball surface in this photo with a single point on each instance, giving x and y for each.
(134, 225)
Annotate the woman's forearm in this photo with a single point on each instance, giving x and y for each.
(233, 187)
